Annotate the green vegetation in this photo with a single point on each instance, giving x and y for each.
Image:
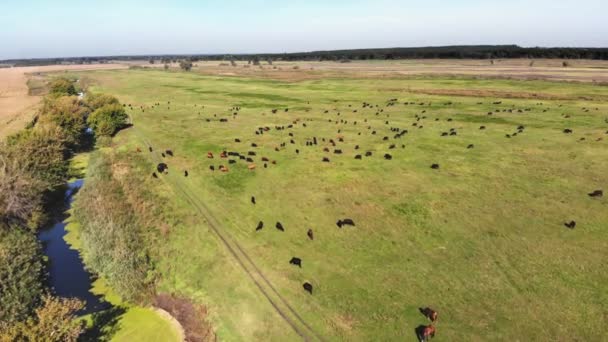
(107, 120)
(111, 232)
(481, 239)
(34, 166)
(21, 275)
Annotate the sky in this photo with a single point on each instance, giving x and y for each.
(67, 28)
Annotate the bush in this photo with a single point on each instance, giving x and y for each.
(96, 101)
(69, 114)
(21, 274)
(108, 119)
(185, 65)
(62, 87)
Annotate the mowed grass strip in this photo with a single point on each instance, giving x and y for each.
(481, 239)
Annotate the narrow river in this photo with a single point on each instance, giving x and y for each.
(67, 275)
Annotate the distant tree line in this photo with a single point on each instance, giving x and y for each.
(443, 52)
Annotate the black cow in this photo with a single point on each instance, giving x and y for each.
(162, 154)
(307, 287)
(231, 161)
(358, 156)
(368, 153)
(169, 153)
(150, 148)
(237, 140)
(154, 175)
(211, 167)
(310, 234)
(338, 151)
(252, 199)
(388, 156)
(482, 127)
(296, 262)
(345, 222)
(260, 226)
(325, 159)
(470, 146)
(570, 224)
(162, 167)
(279, 226)
(596, 193)
(185, 173)
(435, 166)
(567, 131)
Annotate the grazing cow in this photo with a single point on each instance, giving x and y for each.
(237, 140)
(444, 134)
(356, 147)
(154, 175)
(210, 155)
(358, 156)
(223, 168)
(150, 148)
(429, 313)
(338, 151)
(392, 146)
(596, 193)
(297, 151)
(231, 161)
(296, 262)
(307, 287)
(161, 167)
(162, 154)
(310, 234)
(211, 167)
(260, 226)
(252, 199)
(344, 222)
(567, 131)
(249, 160)
(325, 159)
(570, 224)
(435, 166)
(388, 156)
(470, 146)
(169, 153)
(482, 127)
(251, 167)
(368, 153)
(425, 333)
(254, 145)
(185, 173)
(223, 154)
(279, 226)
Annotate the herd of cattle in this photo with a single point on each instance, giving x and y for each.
(338, 145)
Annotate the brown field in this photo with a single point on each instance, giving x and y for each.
(16, 105)
(543, 69)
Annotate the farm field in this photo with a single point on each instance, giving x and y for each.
(480, 238)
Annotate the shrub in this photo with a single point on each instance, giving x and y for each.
(108, 119)
(21, 274)
(185, 65)
(69, 114)
(55, 321)
(62, 87)
(96, 101)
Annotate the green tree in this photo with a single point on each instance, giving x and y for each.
(62, 87)
(96, 101)
(108, 119)
(185, 65)
(68, 113)
(54, 321)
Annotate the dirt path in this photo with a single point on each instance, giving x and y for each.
(174, 322)
(16, 106)
(267, 289)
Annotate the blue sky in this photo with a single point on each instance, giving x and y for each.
(52, 28)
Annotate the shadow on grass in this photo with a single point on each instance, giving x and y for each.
(104, 325)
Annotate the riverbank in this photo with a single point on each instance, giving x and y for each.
(122, 321)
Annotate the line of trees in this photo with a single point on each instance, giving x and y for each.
(34, 166)
(447, 52)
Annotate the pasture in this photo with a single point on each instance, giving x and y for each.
(481, 239)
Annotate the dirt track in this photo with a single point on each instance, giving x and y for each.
(16, 106)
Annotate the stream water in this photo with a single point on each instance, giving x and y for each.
(67, 275)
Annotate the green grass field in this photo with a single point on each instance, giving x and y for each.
(481, 240)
